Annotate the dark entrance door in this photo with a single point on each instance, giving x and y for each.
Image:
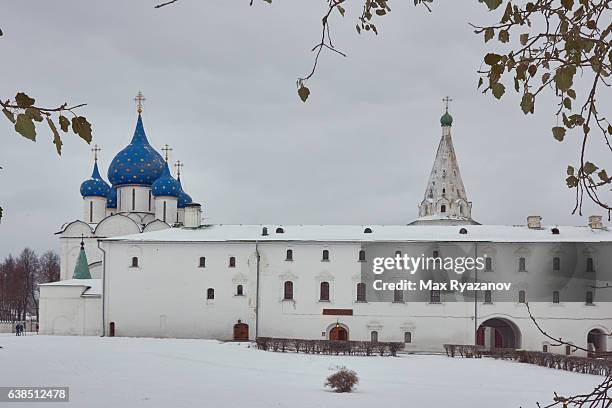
(241, 331)
(338, 333)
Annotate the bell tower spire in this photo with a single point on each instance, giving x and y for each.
(445, 201)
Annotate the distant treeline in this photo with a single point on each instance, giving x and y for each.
(19, 279)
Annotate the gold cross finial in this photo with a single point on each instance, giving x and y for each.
(166, 149)
(95, 149)
(179, 165)
(139, 99)
(446, 101)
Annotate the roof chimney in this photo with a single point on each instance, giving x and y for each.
(193, 215)
(595, 222)
(264, 231)
(534, 222)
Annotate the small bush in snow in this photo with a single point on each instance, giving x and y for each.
(344, 380)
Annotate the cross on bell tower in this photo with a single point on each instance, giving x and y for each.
(95, 149)
(166, 149)
(446, 101)
(139, 99)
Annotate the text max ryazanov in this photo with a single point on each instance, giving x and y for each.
(453, 285)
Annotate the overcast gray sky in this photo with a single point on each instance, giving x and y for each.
(219, 78)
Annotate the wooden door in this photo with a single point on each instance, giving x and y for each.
(338, 333)
(241, 331)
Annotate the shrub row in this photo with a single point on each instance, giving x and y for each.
(586, 365)
(361, 348)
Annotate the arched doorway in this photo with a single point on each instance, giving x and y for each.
(241, 331)
(338, 333)
(596, 341)
(498, 333)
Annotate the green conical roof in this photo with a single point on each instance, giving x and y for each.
(81, 269)
(446, 119)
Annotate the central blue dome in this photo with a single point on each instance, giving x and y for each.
(138, 163)
(95, 186)
(166, 185)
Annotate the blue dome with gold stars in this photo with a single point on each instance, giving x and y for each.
(166, 185)
(138, 163)
(183, 197)
(95, 186)
(111, 198)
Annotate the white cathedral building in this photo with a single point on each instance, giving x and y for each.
(139, 262)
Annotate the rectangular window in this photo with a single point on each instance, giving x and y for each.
(589, 265)
(361, 292)
(556, 296)
(522, 267)
(434, 296)
(91, 211)
(398, 296)
(407, 337)
(488, 264)
(487, 296)
(556, 264)
(133, 199)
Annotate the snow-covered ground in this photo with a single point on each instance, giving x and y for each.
(169, 373)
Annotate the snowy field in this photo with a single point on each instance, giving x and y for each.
(168, 373)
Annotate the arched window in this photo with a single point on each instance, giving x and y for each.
(232, 262)
(545, 348)
(589, 265)
(324, 292)
(434, 296)
(134, 262)
(488, 264)
(288, 290)
(555, 231)
(239, 290)
(487, 296)
(443, 208)
(289, 255)
(361, 292)
(522, 297)
(362, 256)
(407, 337)
(279, 230)
(374, 336)
(367, 230)
(202, 262)
(435, 254)
(398, 296)
(556, 264)
(325, 255)
(210, 294)
(556, 296)
(522, 267)
(589, 298)
(398, 253)
(463, 231)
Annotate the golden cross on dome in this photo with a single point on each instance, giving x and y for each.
(179, 165)
(95, 149)
(139, 99)
(446, 101)
(166, 149)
